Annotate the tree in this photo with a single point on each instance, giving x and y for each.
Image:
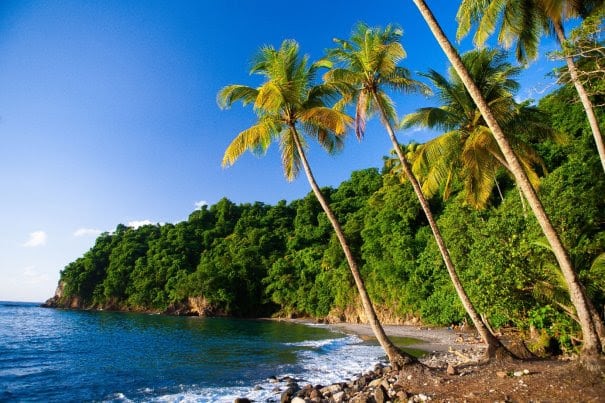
(591, 348)
(288, 104)
(586, 46)
(467, 150)
(370, 67)
(524, 21)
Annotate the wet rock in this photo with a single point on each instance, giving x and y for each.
(287, 395)
(331, 389)
(242, 400)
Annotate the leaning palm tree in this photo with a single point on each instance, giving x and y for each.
(591, 349)
(467, 150)
(288, 105)
(369, 67)
(524, 21)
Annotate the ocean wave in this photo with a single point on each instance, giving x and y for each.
(321, 362)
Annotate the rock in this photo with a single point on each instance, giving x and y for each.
(315, 395)
(332, 389)
(402, 395)
(338, 397)
(381, 395)
(242, 400)
(451, 370)
(501, 374)
(360, 398)
(375, 383)
(288, 393)
(298, 400)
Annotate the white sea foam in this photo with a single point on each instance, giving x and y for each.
(322, 361)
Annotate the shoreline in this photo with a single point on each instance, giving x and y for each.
(432, 339)
(454, 371)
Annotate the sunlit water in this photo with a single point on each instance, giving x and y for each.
(58, 355)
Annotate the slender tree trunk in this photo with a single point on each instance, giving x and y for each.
(591, 348)
(494, 347)
(586, 103)
(397, 358)
(498, 187)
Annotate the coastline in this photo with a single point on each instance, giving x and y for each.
(453, 371)
(435, 341)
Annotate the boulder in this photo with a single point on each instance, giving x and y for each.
(381, 395)
(338, 397)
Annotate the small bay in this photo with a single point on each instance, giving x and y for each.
(60, 355)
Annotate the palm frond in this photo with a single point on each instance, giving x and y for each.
(326, 119)
(434, 162)
(233, 93)
(400, 80)
(385, 104)
(361, 113)
(291, 159)
(270, 98)
(256, 138)
(430, 117)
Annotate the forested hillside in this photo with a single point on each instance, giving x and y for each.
(257, 260)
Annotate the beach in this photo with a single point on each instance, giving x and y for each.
(454, 371)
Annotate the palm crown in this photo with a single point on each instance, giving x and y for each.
(286, 103)
(467, 149)
(370, 61)
(520, 21)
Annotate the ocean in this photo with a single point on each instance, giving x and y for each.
(55, 355)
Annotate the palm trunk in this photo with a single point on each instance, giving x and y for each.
(591, 348)
(494, 347)
(397, 358)
(586, 103)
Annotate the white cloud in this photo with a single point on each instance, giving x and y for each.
(82, 232)
(36, 238)
(200, 204)
(136, 224)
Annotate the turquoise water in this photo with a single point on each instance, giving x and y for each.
(58, 355)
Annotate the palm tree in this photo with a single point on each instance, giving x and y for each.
(525, 21)
(370, 67)
(591, 349)
(287, 105)
(467, 149)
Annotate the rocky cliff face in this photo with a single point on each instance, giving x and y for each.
(193, 306)
(60, 301)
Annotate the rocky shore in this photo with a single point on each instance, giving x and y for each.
(451, 371)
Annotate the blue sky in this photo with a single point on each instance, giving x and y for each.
(108, 114)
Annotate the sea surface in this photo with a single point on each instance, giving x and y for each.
(56, 355)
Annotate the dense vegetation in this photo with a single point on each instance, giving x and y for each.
(257, 259)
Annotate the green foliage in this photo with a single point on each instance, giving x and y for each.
(255, 259)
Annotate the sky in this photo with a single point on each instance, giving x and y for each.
(108, 114)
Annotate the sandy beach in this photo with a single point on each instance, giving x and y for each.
(432, 339)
